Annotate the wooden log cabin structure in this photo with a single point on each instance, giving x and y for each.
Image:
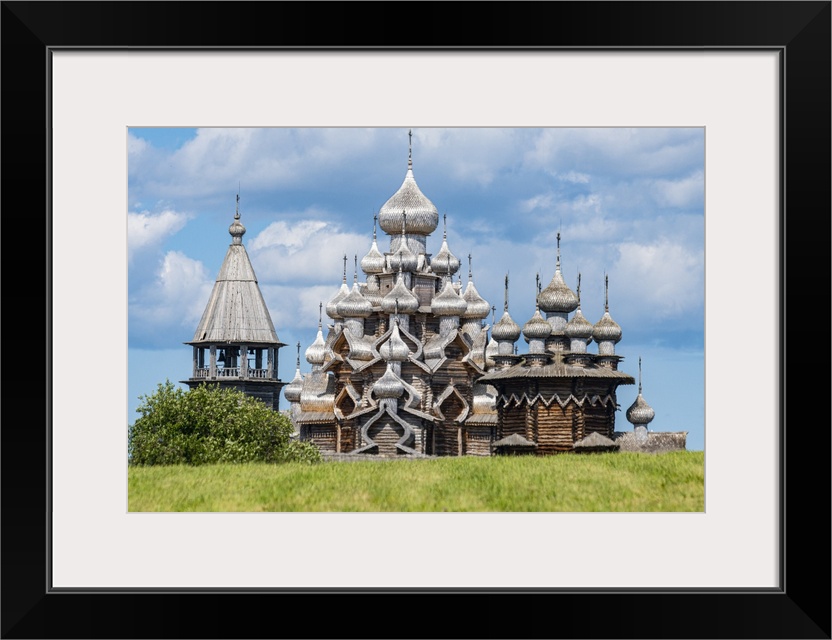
(235, 344)
(407, 367)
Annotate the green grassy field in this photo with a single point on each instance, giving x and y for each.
(576, 483)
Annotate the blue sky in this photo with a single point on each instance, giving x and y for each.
(627, 202)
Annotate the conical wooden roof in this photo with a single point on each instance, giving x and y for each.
(236, 311)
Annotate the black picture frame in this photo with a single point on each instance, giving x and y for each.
(799, 608)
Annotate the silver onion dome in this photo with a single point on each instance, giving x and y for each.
(640, 413)
(492, 349)
(606, 329)
(389, 385)
(445, 262)
(578, 327)
(478, 308)
(332, 305)
(373, 262)
(292, 390)
(448, 302)
(506, 329)
(557, 297)
(422, 215)
(537, 328)
(400, 299)
(395, 349)
(316, 352)
(354, 305)
(343, 292)
(403, 259)
(237, 230)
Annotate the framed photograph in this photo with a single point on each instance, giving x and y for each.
(78, 77)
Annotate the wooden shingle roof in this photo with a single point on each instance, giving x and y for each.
(236, 311)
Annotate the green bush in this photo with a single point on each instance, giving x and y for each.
(209, 425)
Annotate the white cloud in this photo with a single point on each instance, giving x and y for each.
(147, 229)
(680, 193)
(172, 304)
(574, 177)
(660, 281)
(308, 251)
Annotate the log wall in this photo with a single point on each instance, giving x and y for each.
(555, 427)
(599, 419)
(323, 437)
(478, 441)
(386, 433)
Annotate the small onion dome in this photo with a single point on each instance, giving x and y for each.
(316, 352)
(292, 390)
(389, 385)
(237, 230)
(448, 303)
(445, 263)
(395, 349)
(422, 216)
(537, 328)
(332, 305)
(373, 262)
(354, 305)
(400, 299)
(557, 296)
(478, 308)
(492, 349)
(606, 329)
(404, 259)
(640, 413)
(506, 329)
(578, 327)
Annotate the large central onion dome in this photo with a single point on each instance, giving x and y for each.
(422, 215)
